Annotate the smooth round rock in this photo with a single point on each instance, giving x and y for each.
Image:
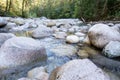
(20, 51)
(80, 34)
(51, 23)
(34, 72)
(72, 39)
(112, 49)
(78, 70)
(3, 22)
(42, 32)
(101, 34)
(60, 35)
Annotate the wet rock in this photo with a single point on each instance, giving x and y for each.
(69, 21)
(72, 39)
(34, 72)
(83, 54)
(42, 32)
(73, 29)
(38, 74)
(87, 51)
(20, 28)
(64, 50)
(42, 76)
(25, 79)
(18, 21)
(55, 29)
(5, 36)
(84, 29)
(110, 24)
(43, 18)
(32, 25)
(79, 22)
(112, 49)
(55, 61)
(65, 26)
(82, 39)
(79, 34)
(77, 70)
(63, 30)
(60, 35)
(117, 27)
(10, 25)
(19, 51)
(51, 23)
(100, 35)
(3, 22)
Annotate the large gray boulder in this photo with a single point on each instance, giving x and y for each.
(112, 49)
(79, 70)
(101, 34)
(19, 51)
(42, 32)
(3, 22)
(5, 36)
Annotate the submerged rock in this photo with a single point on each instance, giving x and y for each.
(19, 51)
(112, 49)
(79, 70)
(64, 50)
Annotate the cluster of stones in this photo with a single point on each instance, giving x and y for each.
(16, 51)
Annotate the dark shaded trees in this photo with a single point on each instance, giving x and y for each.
(86, 9)
(8, 7)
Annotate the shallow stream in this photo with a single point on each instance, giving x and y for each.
(51, 63)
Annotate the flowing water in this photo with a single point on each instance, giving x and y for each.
(51, 63)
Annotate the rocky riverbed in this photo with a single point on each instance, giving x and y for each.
(58, 49)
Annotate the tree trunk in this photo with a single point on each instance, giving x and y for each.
(10, 4)
(6, 9)
(23, 6)
(104, 11)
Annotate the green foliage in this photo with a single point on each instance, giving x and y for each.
(87, 9)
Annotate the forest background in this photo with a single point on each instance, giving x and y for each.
(82, 9)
